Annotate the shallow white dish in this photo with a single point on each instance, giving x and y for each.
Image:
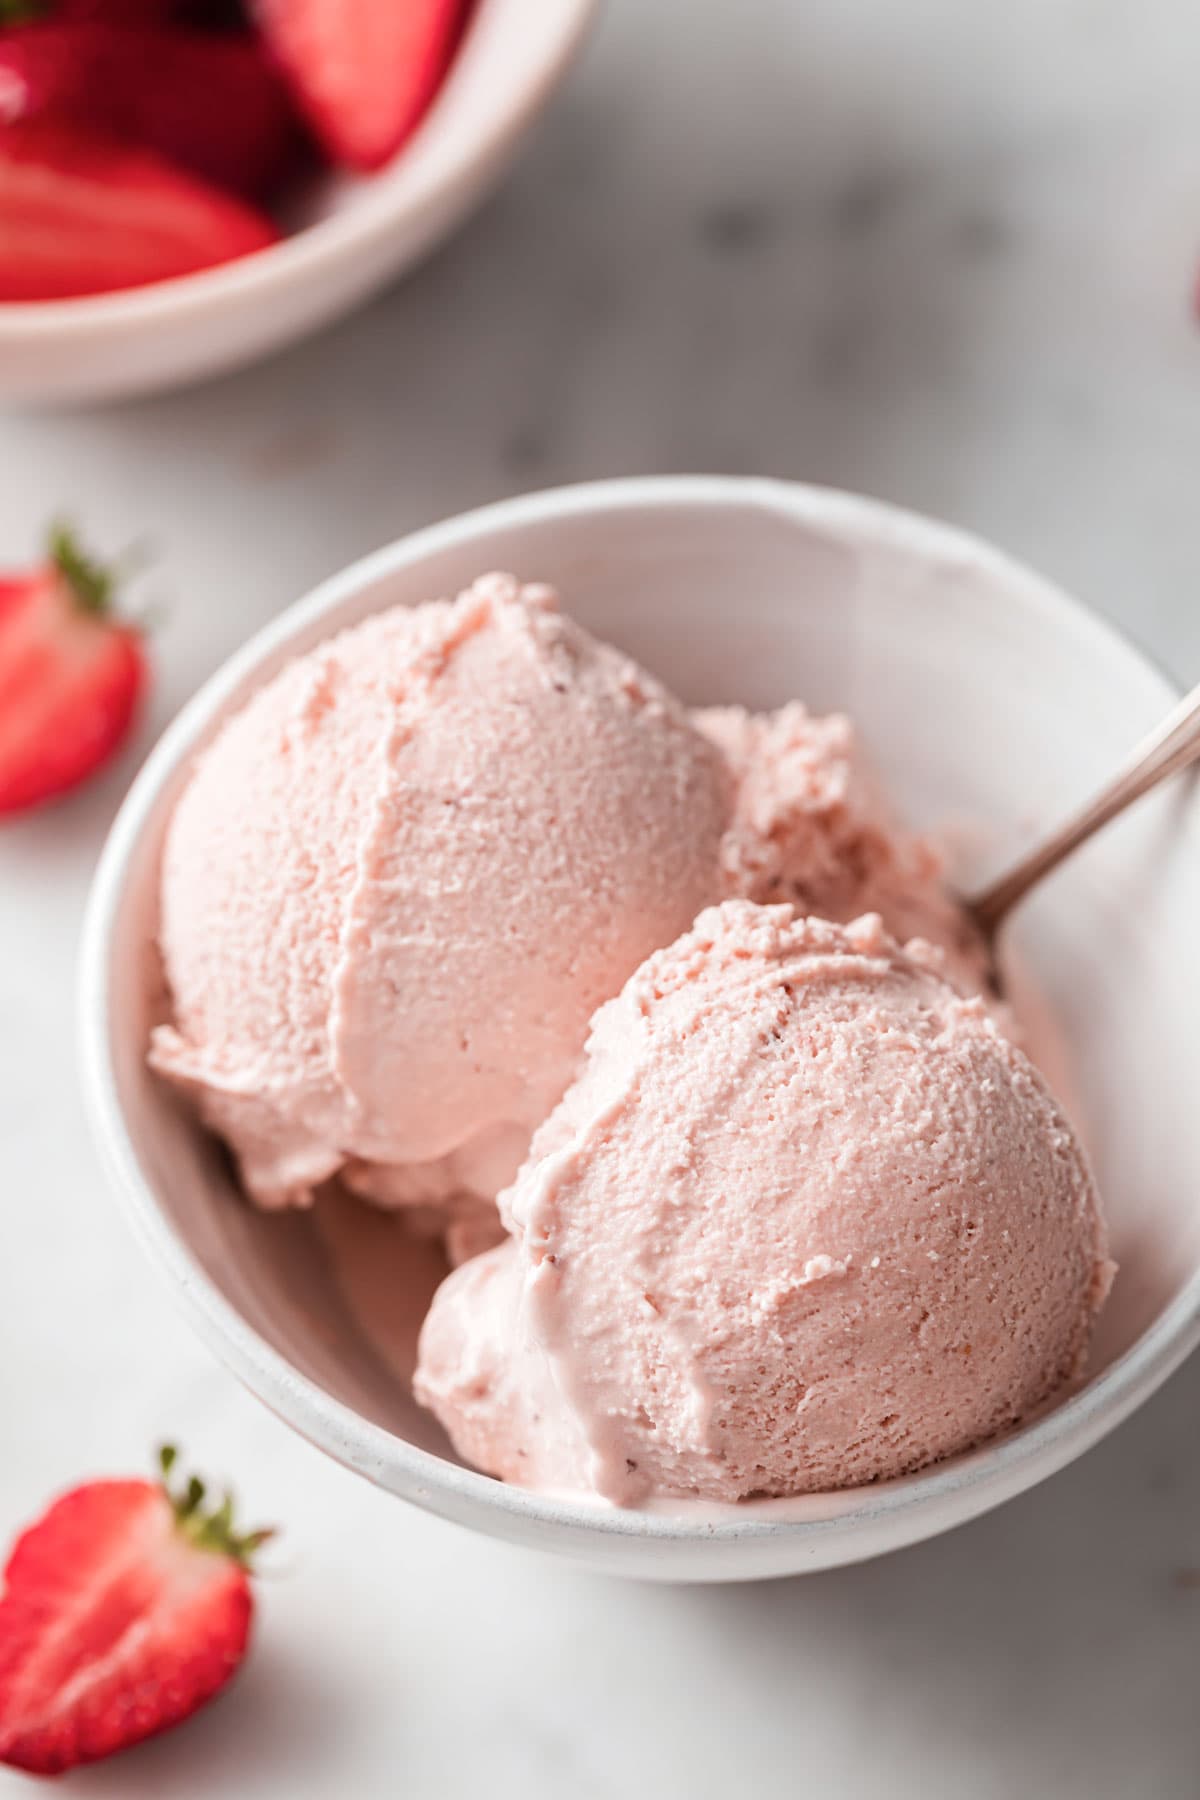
(985, 695)
(354, 234)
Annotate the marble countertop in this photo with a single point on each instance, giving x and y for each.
(937, 253)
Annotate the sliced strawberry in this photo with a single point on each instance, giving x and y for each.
(213, 103)
(364, 71)
(83, 214)
(71, 677)
(125, 1608)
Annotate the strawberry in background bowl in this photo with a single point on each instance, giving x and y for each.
(184, 186)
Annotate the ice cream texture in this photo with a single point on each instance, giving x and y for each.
(781, 1205)
(807, 1219)
(809, 826)
(402, 878)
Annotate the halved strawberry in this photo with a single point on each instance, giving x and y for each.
(71, 676)
(363, 70)
(212, 102)
(125, 1608)
(82, 214)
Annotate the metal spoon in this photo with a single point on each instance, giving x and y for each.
(1172, 746)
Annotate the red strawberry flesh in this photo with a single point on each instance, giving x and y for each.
(363, 71)
(112, 1628)
(125, 1608)
(213, 103)
(83, 214)
(71, 680)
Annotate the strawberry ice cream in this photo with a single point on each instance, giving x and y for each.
(407, 872)
(797, 1215)
(810, 827)
(402, 879)
(807, 1219)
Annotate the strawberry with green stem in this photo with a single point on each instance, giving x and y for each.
(72, 675)
(126, 1608)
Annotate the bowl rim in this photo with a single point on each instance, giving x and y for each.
(912, 1506)
(560, 29)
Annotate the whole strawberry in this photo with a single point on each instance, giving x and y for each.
(125, 1609)
(71, 675)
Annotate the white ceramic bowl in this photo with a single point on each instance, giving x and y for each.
(353, 234)
(985, 695)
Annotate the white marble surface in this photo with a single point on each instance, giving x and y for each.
(939, 253)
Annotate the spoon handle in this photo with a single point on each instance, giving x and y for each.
(1170, 747)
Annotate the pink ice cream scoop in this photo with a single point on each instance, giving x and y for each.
(809, 826)
(404, 876)
(807, 1219)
